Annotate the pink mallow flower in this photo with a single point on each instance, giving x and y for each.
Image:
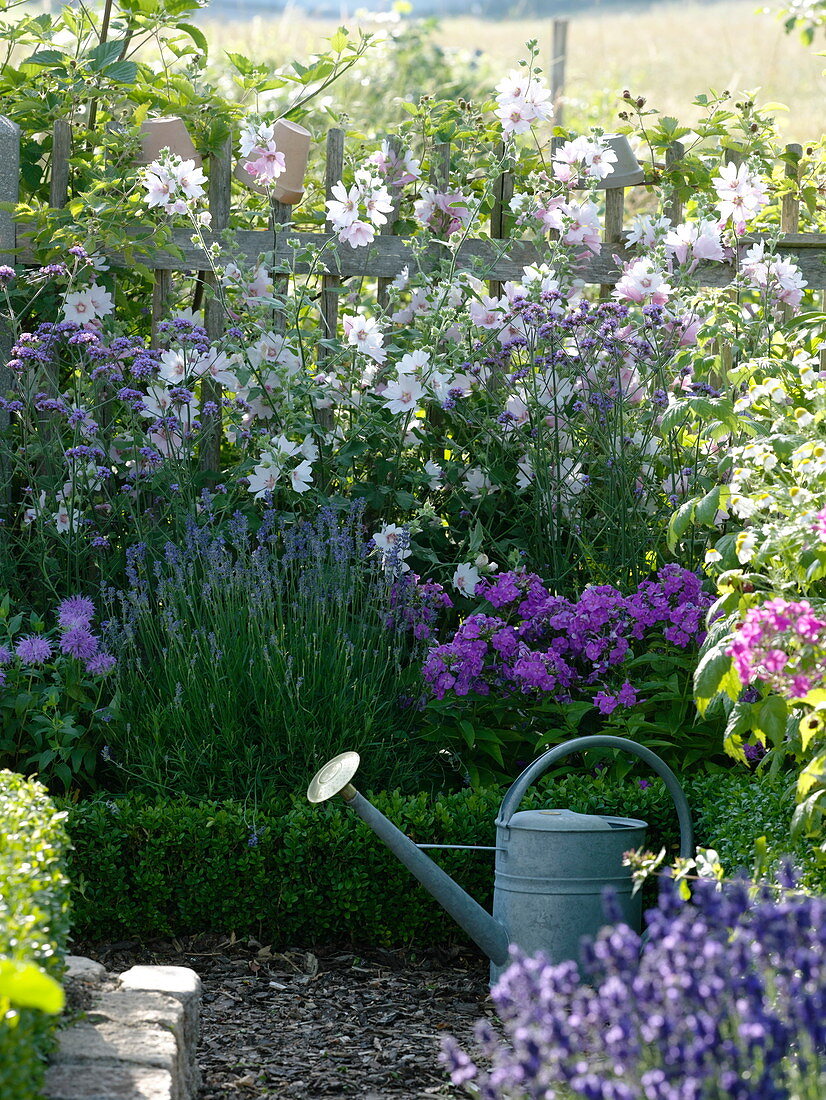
(642, 282)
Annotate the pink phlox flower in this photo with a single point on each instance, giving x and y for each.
(818, 524)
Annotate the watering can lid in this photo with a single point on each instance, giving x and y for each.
(568, 821)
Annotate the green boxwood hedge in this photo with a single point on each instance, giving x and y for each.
(34, 922)
(292, 873)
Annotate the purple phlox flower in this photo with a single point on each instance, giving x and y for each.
(34, 649)
(79, 642)
(75, 611)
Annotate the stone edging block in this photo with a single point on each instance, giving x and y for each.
(137, 1041)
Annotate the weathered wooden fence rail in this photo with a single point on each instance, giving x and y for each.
(498, 256)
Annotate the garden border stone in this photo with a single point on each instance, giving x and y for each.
(137, 1040)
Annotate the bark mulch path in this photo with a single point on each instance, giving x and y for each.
(321, 1023)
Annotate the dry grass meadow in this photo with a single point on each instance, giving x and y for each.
(668, 53)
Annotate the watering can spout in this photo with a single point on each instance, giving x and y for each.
(489, 934)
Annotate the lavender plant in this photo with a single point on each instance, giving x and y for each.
(725, 996)
(251, 658)
(531, 668)
(56, 694)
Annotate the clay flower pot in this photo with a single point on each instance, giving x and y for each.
(626, 169)
(170, 133)
(294, 142)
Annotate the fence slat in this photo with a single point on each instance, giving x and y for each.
(331, 283)
(61, 151)
(389, 254)
(502, 195)
(612, 234)
(382, 293)
(220, 190)
(673, 209)
(559, 57)
(280, 214)
(9, 192)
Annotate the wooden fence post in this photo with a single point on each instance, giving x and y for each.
(383, 288)
(502, 195)
(559, 57)
(790, 205)
(220, 187)
(614, 211)
(9, 192)
(330, 284)
(673, 209)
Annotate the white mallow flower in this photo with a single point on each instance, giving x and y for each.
(281, 446)
(301, 477)
(264, 477)
(477, 483)
(174, 366)
(525, 474)
(466, 578)
(65, 518)
(413, 362)
(364, 334)
(394, 544)
(190, 179)
(435, 473)
(309, 449)
(401, 395)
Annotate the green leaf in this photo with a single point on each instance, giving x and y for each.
(102, 55)
(197, 36)
(121, 72)
(769, 718)
(708, 507)
(339, 40)
(713, 676)
(46, 57)
(27, 986)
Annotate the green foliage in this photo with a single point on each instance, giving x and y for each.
(270, 653)
(34, 927)
(289, 872)
(52, 711)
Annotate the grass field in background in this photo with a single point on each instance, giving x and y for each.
(668, 53)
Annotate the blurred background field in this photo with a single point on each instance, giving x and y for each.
(667, 52)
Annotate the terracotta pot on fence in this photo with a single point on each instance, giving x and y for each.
(170, 133)
(294, 142)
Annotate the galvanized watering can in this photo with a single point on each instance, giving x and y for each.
(551, 865)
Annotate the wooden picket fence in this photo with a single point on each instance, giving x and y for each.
(500, 256)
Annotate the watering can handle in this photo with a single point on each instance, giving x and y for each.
(598, 741)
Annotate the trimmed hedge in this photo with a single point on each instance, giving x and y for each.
(34, 922)
(289, 872)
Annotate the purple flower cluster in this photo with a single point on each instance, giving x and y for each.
(74, 617)
(415, 606)
(782, 643)
(539, 643)
(725, 997)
